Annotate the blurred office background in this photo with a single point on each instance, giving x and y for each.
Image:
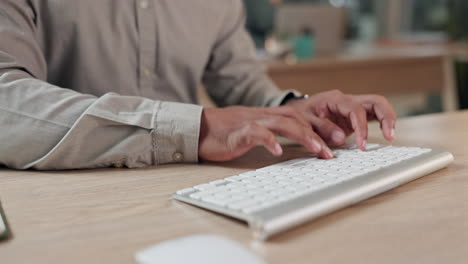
(412, 51)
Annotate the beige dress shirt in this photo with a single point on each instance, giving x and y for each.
(98, 83)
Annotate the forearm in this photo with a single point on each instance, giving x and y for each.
(47, 127)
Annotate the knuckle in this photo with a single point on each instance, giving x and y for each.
(379, 99)
(323, 105)
(232, 145)
(248, 140)
(358, 109)
(252, 126)
(346, 98)
(279, 119)
(249, 133)
(336, 92)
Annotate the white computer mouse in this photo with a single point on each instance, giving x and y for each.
(198, 249)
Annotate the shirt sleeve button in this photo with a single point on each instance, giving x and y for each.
(177, 157)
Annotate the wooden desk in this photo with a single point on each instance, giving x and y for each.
(390, 71)
(105, 216)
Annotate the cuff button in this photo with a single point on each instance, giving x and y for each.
(178, 157)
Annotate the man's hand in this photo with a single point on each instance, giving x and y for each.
(227, 133)
(335, 115)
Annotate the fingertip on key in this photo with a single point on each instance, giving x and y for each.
(328, 153)
(392, 133)
(278, 149)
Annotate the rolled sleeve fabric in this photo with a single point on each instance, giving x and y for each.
(177, 135)
(126, 131)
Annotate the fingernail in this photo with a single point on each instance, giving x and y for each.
(316, 146)
(392, 133)
(329, 153)
(364, 144)
(338, 137)
(278, 149)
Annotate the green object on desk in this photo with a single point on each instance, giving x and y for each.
(304, 47)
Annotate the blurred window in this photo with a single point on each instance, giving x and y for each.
(424, 16)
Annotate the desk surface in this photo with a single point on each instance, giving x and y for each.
(105, 216)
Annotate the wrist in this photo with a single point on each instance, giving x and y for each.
(293, 97)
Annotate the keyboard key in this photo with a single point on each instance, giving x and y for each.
(216, 200)
(202, 187)
(185, 191)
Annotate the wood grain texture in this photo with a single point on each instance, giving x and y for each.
(388, 76)
(105, 216)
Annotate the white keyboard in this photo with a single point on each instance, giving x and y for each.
(280, 196)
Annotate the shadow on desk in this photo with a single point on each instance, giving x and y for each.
(259, 157)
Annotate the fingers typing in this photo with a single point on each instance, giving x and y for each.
(293, 129)
(383, 111)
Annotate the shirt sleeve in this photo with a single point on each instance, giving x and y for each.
(48, 127)
(233, 75)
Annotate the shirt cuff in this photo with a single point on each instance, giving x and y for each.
(176, 133)
(279, 100)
